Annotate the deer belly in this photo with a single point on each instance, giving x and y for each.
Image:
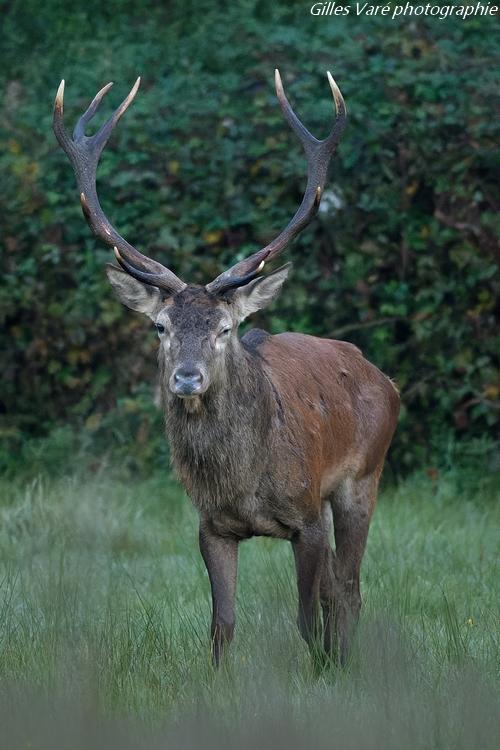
(246, 525)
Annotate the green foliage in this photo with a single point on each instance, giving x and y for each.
(203, 170)
(129, 439)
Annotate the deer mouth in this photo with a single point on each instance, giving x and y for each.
(186, 391)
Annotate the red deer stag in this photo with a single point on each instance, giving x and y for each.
(270, 435)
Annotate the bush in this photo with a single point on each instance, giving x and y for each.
(203, 170)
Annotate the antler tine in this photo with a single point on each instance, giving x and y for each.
(306, 138)
(79, 131)
(84, 153)
(318, 155)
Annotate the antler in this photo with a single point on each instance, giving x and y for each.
(318, 155)
(84, 153)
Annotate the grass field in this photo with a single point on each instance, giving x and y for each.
(104, 617)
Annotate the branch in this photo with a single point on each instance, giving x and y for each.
(366, 324)
(460, 226)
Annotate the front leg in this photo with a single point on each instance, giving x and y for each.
(220, 554)
(309, 552)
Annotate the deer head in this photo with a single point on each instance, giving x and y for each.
(196, 325)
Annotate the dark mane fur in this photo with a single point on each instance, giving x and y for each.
(219, 450)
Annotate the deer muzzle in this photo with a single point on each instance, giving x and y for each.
(187, 381)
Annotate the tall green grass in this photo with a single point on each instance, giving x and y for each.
(104, 618)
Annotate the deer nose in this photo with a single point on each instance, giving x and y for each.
(187, 381)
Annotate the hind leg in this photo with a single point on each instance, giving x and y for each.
(327, 584)
(327, 597)
(308, 549)
(352, 508)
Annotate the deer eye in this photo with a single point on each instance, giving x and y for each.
(160, 328)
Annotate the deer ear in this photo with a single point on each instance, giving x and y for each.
(259, 293)
(134, 294)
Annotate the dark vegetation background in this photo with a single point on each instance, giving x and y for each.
(402, 260)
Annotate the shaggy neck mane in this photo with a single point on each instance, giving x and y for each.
(218, 448)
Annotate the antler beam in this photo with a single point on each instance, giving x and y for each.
(318, 154)
(84, 153)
